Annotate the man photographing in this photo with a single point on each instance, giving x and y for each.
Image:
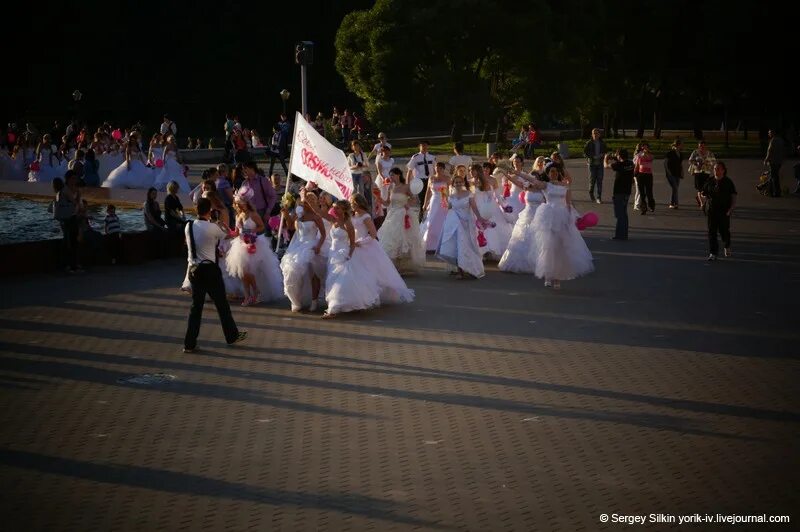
(202, 237)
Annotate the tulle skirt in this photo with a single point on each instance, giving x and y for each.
(459, 244)
(392, 287)
(298, 265)
(431, 226)
(563, 254)
(262, 264)
(172, 171)
(497, 237)
(351, 284)
(137, 176)
(523, 247)
(108, 162)
(403, 246)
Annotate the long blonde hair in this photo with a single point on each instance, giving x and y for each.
(347, 211)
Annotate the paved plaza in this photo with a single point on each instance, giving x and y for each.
(659, 384)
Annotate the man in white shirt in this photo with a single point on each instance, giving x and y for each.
(202, 237)
(168, 127)
(376, 150)
(421, 165)
(459, 158)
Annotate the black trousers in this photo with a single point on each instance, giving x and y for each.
(700, 179)
(422, 197)
(281, 159)
(644, 184)
(70, 229)
(208, 280)
(775, 180)
(718, 222)
(114, 246)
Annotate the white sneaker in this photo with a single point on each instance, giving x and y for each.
(295, 309)
(712, 257)
(548, 284)
(728, 252)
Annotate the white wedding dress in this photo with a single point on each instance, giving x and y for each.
(130, 175)
(172, 171)
(563, 254)
(300, 262)
(459, 243)
(435, 213)
(392, 287)
(403, 246)
(523, 248)
(262, 263)
(350, 284)
(497, 237)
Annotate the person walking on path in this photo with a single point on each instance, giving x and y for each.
(623, 182)
(774, 158)
(202, 237)
(421, 166)
(673, 167)
(701, 164)
(643, 162)
(595, 152)
(719, 195)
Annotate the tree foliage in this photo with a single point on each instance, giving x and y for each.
(578, 61)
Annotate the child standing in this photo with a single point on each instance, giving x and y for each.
(113, 232)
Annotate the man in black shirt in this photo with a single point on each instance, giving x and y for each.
(719, 195)
(623, 182)
(673, 167)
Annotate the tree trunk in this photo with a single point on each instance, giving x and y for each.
(725, 125)
(640, 130)
(657, 121)
(455, 132)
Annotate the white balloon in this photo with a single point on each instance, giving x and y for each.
(416, 185)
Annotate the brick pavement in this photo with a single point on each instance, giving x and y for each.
(661, 383)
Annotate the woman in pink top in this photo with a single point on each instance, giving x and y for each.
(643, 170)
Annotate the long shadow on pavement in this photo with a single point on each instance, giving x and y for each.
(184, 483)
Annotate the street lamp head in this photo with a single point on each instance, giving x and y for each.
(284, 95)
(76, 95)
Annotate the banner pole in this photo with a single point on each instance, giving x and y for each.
(286, 188)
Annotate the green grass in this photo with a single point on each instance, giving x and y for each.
(737, 146)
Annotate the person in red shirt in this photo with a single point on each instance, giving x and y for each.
(534, 140)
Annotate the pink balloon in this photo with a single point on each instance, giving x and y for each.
(116, 134)
(159, 163)
(580, 224)
(274, 222)
(590, 219)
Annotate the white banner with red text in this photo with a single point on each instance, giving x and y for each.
(317, 160)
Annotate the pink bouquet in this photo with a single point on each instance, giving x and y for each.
(274, 222)
(589, 219)
(250, 241)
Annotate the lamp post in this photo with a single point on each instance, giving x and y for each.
(284, 96)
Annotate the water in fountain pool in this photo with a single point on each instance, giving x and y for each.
(23, 220)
